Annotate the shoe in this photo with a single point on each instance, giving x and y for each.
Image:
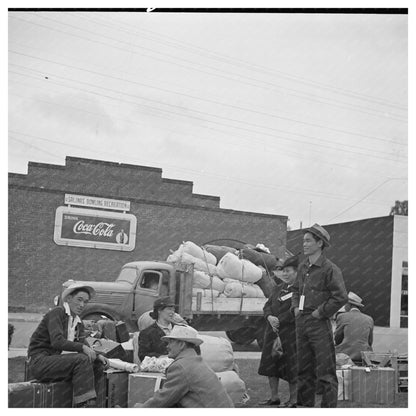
(270, 402)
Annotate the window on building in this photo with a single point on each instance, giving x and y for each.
(404, 297)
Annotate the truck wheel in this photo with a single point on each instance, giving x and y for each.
(243, 336)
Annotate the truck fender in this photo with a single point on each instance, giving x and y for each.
(97, 309)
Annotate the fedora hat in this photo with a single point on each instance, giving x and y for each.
(354, 299)
(75, 286)
(319, 232)
(184, 333)
(162, 303)
(291, 261)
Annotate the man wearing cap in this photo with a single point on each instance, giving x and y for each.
(354, 329)
(318, 293)
(57, 351)
(189, 380)
(150, 343)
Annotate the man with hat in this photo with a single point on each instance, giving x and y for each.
(189, 380)
(318, 293)
(57, 351)
(150, 343)
(354, 329)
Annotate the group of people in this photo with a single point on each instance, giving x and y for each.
(299, 311)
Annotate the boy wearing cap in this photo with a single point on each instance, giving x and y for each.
(318, 293)
(61, 332)
(189, 381)
(354, 329)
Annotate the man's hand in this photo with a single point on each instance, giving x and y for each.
(104, 360)
(89, 352)
(315, 314)
(274, 322)
(296, 311)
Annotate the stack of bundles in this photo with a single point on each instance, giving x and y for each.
(259, 258)
(203, 280)
(236, 289)
(231, 267)
(219, 251)
(218, 354)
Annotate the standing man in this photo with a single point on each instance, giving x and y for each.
(318, 293)
(354, 329)
(57, 351)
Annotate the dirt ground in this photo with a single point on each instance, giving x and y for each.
(257, 386)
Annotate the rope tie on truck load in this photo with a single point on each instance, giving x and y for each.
(241, 256)
(211, 277)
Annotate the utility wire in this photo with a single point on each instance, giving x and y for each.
(180, 44)
(233, 120)
(267, 85)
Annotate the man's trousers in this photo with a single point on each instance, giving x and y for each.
(316, 361)
(74, 367)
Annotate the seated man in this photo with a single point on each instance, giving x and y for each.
(354, 329)
(189, 381)
(59, 334)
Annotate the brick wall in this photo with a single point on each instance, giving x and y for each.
(38, 266)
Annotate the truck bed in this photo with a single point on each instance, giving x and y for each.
(225, 305)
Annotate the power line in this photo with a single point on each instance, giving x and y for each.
(233, 120)
(371, 192)
(238, 62)
(233, 78)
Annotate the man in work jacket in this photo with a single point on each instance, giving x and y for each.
(318, 293)
(61, 332)
(189, 380)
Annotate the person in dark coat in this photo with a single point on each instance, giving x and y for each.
(280, 321)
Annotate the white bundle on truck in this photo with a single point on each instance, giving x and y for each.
(231, 267)
(235, 387)
(203, 280)
(217, 353)
(180, 257)
(236, 288)
(194, 250)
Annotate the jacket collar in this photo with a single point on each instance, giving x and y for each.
(76, 320)
(319, 262)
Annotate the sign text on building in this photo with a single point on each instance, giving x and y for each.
(93, 202)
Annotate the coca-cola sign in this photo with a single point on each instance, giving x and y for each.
(93, 228)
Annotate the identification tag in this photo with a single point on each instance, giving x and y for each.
(301, 302)
(287, 296)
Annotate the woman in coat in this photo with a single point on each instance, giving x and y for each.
(280, 320)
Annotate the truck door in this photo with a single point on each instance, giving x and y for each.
(151, 285)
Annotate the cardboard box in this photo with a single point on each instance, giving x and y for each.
(375, 385)
(142, 386)
(344, 384)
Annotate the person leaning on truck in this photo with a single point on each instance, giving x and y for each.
(150, 339)
(61, 332)
(318, 293)
(189, 380)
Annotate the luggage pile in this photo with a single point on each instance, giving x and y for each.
(221, 271)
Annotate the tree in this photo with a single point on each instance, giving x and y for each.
(399, 208)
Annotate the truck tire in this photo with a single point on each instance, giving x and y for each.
(243, 336)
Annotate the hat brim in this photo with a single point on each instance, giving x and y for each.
(319, 235)
(195, 341)
(355, 303)
(69, 290)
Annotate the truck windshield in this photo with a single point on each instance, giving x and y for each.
(127, 274)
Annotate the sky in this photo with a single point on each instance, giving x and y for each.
(302, 115)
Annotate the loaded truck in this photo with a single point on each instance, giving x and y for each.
(139, 283)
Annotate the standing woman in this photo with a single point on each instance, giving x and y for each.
(280, 320)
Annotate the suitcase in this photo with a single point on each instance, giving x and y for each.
(375, 385)
(122, 334)
(142, 386)
(117, 388)
(39, 395)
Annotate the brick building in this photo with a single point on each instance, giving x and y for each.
(166, 213)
